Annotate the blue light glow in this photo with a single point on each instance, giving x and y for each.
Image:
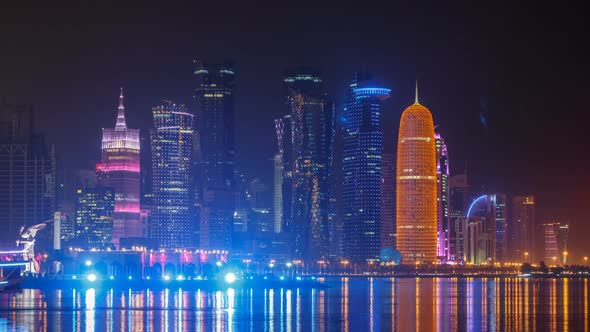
(88, 263)
(472, 204)
(166, 277)
(230, 278)
(91, 277)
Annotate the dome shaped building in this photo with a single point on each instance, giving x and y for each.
(416, 186)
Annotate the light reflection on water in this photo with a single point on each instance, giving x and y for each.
(400, 304)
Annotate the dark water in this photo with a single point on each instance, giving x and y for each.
(348, 305)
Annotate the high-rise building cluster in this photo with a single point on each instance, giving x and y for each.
(338, 195)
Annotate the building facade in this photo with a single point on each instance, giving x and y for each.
(362, 149)
(388, 228)
(120, 170)
(416, 186)
(555, 236)
(312, 136)
(171, 142)
(522, 229)
(459, 203)
(214, 96)
(27, 174)
(95, 210)
(443, 197)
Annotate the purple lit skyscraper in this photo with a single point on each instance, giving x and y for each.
(443, 198)
(120, 171)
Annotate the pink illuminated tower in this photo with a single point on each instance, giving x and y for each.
(120, 171)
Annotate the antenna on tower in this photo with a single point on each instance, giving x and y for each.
(416, 96)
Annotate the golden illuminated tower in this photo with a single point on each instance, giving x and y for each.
(416, 186)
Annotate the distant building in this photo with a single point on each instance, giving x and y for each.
(388, 201)
(171, 142)
(362, 152)
(279, 170)
(442, 198)
(215, 98)
(27, 175)
(95, 209)
(416, 186)
(501, 210)
(555, 237)
(278, 193)
(522, 229)
(487, 240)
(459, 203)
(310, 162)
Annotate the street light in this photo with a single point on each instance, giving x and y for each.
(526, 257)
(564, 257)
(585, 260)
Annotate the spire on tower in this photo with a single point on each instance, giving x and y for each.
(416, 97)
(121, 123)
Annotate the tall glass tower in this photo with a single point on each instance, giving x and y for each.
(361, 169)
(312, 137)
(416, 186)
(172, 140)
(120, 171)
(214, 95)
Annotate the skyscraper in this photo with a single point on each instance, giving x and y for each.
(501, 227)
(362, 148)
(278, 199)
(95, 209)
(416, 186)
(522, 229)
(388, 228)
(120, 170)
(27, 174)
(214, 95)
(459, 203)
(442, 198)
(312, 135)
(172, 139)
(555, 236)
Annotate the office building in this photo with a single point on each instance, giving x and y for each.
(215, 99)
(171, 142)
(310, 162)
(388, 228)
(555, 237)
(120, 170)
(27, 175)
(443, 197)
(95, 209)
(522, 229)
(416, 186)
(362, 149)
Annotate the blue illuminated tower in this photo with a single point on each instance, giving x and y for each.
(172, 141)
(361, 169)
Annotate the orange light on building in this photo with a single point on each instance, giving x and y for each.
(416, 185)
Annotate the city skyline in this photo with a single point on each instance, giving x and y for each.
(479, 111)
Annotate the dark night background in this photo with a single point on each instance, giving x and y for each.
(506, 86)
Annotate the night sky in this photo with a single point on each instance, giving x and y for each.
(506, 85)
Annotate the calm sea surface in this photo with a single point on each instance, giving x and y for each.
(401, 304)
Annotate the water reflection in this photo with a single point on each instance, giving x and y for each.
(399, 304)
